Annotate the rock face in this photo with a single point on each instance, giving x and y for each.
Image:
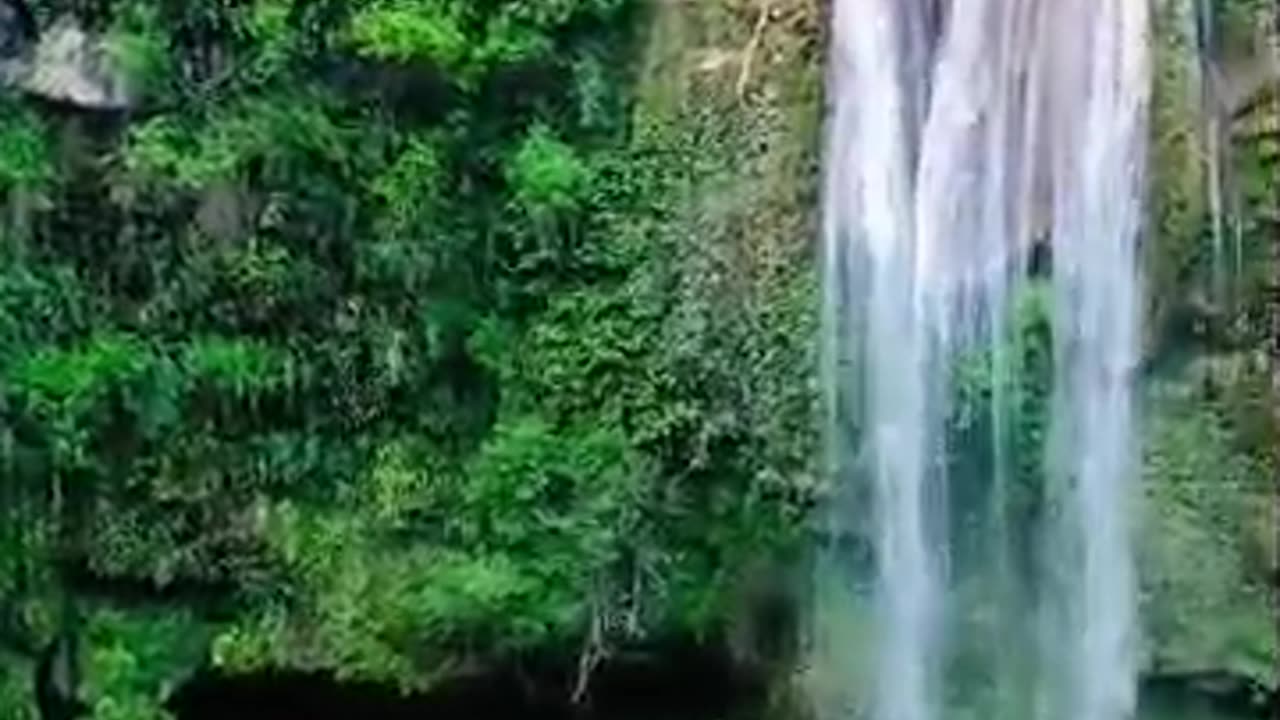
(64, 64)
(18, 37)
(72, 67)
(17, 29)
(1208, 529)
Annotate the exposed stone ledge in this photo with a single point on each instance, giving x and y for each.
(63, 64)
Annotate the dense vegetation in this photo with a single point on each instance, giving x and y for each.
(357, 346)
(1209, 551)
(403, 339)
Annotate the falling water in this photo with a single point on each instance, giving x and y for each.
(872, 253)
(1213, 138)
(925, 218)
(1101, 81)
(957, 131)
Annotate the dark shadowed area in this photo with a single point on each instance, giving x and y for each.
(687, 684)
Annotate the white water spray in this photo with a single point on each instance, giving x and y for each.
(958, 130)
(1099, 132)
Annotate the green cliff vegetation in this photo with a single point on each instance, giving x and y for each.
(404, 340)
(1208, 552)
(365, 344)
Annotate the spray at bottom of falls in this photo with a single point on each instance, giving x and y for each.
(960, 136)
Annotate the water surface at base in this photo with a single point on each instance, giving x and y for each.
(1184, 704)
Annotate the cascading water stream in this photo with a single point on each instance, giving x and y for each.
(959, 132)
(1099, 131)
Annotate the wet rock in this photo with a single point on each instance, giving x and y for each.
(17, 29)
(18, 36)
(227, 211)
(63, 64)
(70, 66)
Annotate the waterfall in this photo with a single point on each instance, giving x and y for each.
(1214, 136)
(960, 133)
(1099, 131)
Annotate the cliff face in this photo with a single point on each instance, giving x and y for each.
(354, 352)
(406, 341)
(1206, 535)
(740, 83)
(1209, 545)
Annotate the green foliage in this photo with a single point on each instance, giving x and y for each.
(501, 556)
(78, 377)
(160, 149)
(545, 174)
(393, 330)
(25, 161)
(135, 661)
(138, 47)
(38, 306)
(268, 25)
(28, 583)
(368, 328)
(508, 41)
(412, 30)
(16, 697)
(275, 131)
(466, 40)
(1210, 444)
(1207, 543)
(998, 430)
(411, 187)
(235, 366)
(530, 484)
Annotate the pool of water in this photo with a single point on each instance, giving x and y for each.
(1180, 703)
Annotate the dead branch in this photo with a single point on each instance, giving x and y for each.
(748, 54)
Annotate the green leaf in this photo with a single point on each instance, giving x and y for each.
(409, 30)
